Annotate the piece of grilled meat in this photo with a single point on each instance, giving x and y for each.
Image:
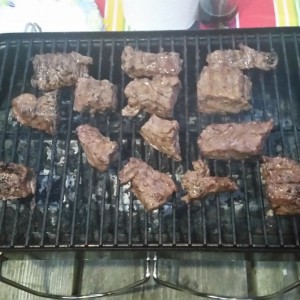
(162, 135)
(223, 90)
(151, 187)
(282, 184)
(199, 184)
(157, 96)
(245, 58)
(95, 95)
(137, 63)
(16, 181)
(55, 70)
(99, 150)
(233, 140)
(41, 113)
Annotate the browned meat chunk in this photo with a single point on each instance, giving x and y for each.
(16, 181)
(99, 149)
(282, 183)
(199, 184)
(223, 90)
(163, 136)
(137, 63)
(95, 95)
(151, 187)
(234, 141)
(157, 96)
(245, 58)
(53, 71)
(41, 113)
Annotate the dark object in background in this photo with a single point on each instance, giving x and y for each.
(223, 90)
(217, 13)
(163, 135)
(199, 184)
(234, 141)
(99, 150)
(137, 63)
(95, 95)
(151, 187)
(41, 113)
(53, 71)
(245, 58)
(16, 181)
(157, 96)
(282, 184)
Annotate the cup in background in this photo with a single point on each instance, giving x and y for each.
(160, 14)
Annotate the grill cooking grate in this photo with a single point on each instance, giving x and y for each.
(77, 206)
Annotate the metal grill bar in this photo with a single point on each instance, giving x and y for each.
(111, 221)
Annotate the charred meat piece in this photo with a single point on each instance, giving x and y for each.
(16, 181)
(157, 96)
(282, 184)
(245, 58)
(223, 90)
(95, 95)
(163, 136)
(234, 141)
(199, 184)
(151, 187)
(41, 113)
(99, 149)
(53, 71)
(137, 63)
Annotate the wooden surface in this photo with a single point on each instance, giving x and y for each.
(219, 273)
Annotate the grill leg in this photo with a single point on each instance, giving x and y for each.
(78, 273)
(77, 280)
(188, 290)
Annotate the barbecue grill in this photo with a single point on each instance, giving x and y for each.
(77, 207)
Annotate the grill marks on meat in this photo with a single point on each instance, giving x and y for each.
(151, 187)
(245, 58)
(162, 135)
(16, 181)
(95, 95)
(199, 184)
(99, 149)
(282, 184)
(157, 96)
(137, 63)
(41, 113)
(234, 141)
(53, 71)
(223, 90)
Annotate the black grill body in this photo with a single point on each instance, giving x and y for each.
(76, 206)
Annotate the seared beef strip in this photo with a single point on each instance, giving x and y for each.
(137, 63)
(198, 184)
(41, 113)
(282, 183)
(234, 141)
(151, 187)
(245, 58)
(99, 150)
(163, 136)
(16, 181)
(157, 96)
(95, 95)
(53, 71)
(223, 90)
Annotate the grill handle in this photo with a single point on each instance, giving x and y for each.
(151, 270)
(121, 291)
(190, 291)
